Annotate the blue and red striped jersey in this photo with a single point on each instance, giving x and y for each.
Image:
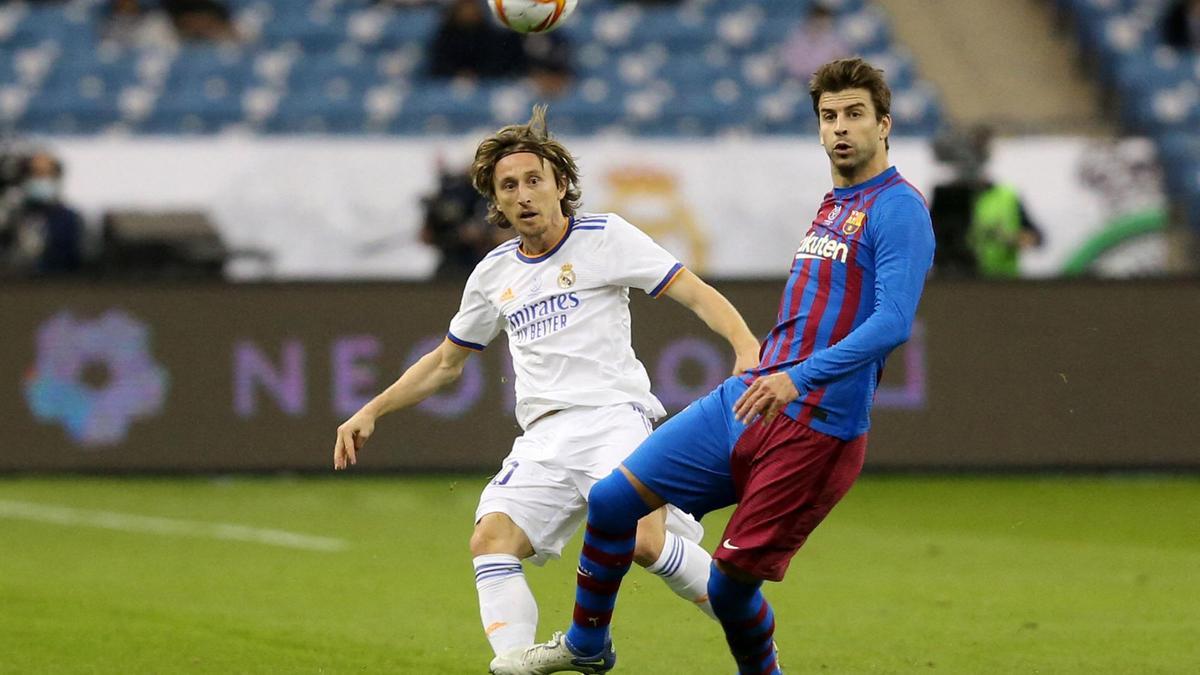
(849, 301)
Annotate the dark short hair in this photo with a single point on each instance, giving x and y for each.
(853, 73)
(533, 137)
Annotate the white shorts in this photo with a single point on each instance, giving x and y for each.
(544, 482)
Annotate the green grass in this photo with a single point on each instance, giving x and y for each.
(908, 575)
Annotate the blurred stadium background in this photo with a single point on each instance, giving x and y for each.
(224, 225)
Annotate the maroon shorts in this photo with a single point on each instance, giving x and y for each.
(787, 477)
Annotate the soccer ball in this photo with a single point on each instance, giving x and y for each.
(532, 16)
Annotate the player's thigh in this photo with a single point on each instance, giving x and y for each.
(540, 499)
(789, 478)
(598, 440)
(686, 460)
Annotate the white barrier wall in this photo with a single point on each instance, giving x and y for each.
(350, 208)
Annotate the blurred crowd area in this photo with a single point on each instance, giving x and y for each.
(684, 71)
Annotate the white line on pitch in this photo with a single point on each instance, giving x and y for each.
(128, 522)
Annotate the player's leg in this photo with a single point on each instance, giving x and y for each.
(667, 540)
(506, 605)
(686, 462)
(788, 477)
(614, 509)
(746, 618)
(525, 514)
(668, 547)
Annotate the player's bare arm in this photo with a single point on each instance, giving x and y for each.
(433, 371)
(719, 314)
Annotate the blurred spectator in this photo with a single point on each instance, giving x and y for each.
(549, 59)
(201, 20)
(42, 236)
(456, 224)
(980, 226)
(131, 23)
(813, 43)
(1181, 25)
(467, 44)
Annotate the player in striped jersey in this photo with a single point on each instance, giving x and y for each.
(560, 290)
(850, 299)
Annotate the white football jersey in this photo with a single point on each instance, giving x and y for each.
(566, 313)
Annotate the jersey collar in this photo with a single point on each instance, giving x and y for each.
(534, 259)
(877, 180)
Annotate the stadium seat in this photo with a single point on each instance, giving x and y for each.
(350, 66)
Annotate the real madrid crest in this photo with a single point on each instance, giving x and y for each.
(566, 276)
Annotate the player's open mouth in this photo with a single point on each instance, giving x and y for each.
(843, 148)
(526, 215)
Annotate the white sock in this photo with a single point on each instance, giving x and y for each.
(684, 565)
(506, 605)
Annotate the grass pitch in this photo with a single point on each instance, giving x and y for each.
(908, 575)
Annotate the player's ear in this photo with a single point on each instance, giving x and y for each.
(885, 127)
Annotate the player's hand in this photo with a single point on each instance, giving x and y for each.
(351, 436)
(766, 397)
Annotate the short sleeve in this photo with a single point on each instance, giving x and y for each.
(478, 321)
(636, 260)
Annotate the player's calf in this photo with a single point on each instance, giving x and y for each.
(748, 621)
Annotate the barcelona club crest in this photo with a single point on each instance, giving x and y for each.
(566, 276)
(854, 222)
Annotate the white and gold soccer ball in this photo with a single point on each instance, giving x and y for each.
(532, 16)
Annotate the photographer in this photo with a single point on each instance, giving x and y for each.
(39, 235)
(455, 223)
(981, 227)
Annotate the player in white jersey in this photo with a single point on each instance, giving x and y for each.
(560, 290)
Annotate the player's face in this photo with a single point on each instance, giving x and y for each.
(528, 194)
(851, 133)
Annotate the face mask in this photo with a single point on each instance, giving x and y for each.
(41, 190)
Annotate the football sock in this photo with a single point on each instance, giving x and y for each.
(684, 566)
(614, 508)
(506, 605)
(748, 622)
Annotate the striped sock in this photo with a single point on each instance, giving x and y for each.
(614, 508)
(748, 621)
(506, 605)
(684, 567)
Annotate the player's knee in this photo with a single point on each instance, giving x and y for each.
(729, 588)
(651, 539)
(614, 505)
(735, 574)
(497, 533)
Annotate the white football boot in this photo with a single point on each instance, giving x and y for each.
(553, 657)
